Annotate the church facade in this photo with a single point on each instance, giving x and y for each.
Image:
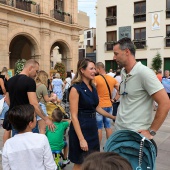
(32, 29)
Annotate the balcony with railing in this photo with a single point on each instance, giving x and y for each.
(111, 21)
(3, 1)
(7, 2)
(61, 16)
(140, 16)
(140, 43)
(26, 5)
(167, 41)
(33, 7)
(168, 13)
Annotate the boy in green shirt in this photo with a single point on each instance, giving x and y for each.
(56, 138)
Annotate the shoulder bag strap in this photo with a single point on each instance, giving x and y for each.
(107, 86)
(68, 83)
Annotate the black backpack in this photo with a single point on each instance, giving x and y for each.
(66, 96)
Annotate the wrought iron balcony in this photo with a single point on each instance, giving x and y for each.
(23, 5)
(141, 16)
(168, 13)
(26, 5)
(61, 16)
(111, 21)
(140, 43)
(167, 41)
(7, 2)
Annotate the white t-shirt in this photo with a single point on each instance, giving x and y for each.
(27, 151)
(111, 74)
(68, 82)
(135, 109)
(118, 78)
(72, 75)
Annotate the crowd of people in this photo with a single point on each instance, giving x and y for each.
(95, 98)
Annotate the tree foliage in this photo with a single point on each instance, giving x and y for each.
(61, 70)
(19, 65)
(157, 62)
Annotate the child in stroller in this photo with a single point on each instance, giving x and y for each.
(56, 138)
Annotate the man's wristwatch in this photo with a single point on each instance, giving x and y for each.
(152, 132)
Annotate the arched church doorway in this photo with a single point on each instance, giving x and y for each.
(21, 47)
(60, 53)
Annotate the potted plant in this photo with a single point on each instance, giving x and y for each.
(28, 1)
(19, 65)
(64, 13)
(34, 3)
(59, 11)
(157, 62)
(61, 70)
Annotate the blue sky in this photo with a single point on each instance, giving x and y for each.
(88, 6)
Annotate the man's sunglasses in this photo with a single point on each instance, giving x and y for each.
(124, 92)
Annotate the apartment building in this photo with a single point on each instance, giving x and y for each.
(147, 23)
(83, 20)
(87, 44)
(32, 29)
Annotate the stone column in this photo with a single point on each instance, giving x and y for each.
(74, 11)
(44, 7)
(70, 62)
(44, 59)
(4, 52)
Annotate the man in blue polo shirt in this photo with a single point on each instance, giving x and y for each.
(166, 82)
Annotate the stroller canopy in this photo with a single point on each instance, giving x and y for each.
(137, 149)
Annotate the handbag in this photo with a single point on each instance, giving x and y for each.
(6, 124)
(1, 105)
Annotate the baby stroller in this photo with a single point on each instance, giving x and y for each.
(65, 102)
(137, 149)
(57, 154)
(51, 106)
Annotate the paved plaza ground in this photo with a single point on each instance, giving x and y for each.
(162, 139)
